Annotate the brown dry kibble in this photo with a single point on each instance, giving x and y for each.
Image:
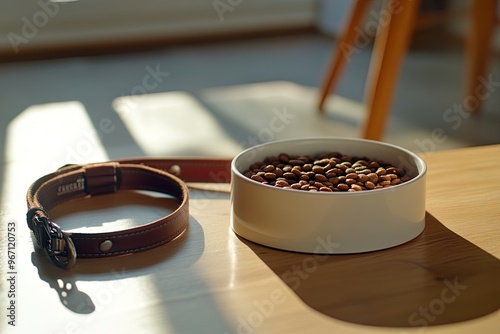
(395, 181)
(322, 162)
(352, 176)
(257, 178)
(342, 186)
(369, 185)
(384, 178)
(307, 167)
(269, 176)
(373, 177)
(362, 178)
(334, 180)
(318, 185)
(341, 167)
(318, 169)
(297, 171)
(284, 158)
(320, 178)
(392, 170)
(282, 183)
(329, 172)
(268, 168)
(356, 187)
(350, 181)
(405, 178)
(296, 162)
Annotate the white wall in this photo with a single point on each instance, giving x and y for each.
(40, 23)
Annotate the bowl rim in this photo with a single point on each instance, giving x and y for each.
(419, 162)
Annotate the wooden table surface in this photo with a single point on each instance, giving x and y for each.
(447, 280)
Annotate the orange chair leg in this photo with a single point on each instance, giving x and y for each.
(343, 49)
(478, 46)
(389, 50)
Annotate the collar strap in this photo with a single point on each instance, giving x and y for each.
(78, 181)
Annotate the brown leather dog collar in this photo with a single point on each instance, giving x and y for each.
(78, 181)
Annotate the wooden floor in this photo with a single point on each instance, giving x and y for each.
(238, 84)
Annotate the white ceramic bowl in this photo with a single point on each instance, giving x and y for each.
(328, 222)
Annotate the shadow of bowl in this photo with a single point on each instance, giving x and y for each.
(437, 278)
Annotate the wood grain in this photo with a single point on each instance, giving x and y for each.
(447, 280)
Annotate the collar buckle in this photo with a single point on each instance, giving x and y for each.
(57, 243)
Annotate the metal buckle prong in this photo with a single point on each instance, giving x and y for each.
(55, 241)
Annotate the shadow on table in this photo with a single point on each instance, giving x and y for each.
(168, 272)
(107, 212)
(112, 269)
(437, 278)
(165, 276)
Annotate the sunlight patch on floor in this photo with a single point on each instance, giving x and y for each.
(173, 124)
(286, 109)
(55, 134)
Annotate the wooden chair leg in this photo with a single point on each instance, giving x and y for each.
(388, 54)
(345, 44)
(482, 16)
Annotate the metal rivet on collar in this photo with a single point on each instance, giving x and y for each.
(105, 245)
(175, 170)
